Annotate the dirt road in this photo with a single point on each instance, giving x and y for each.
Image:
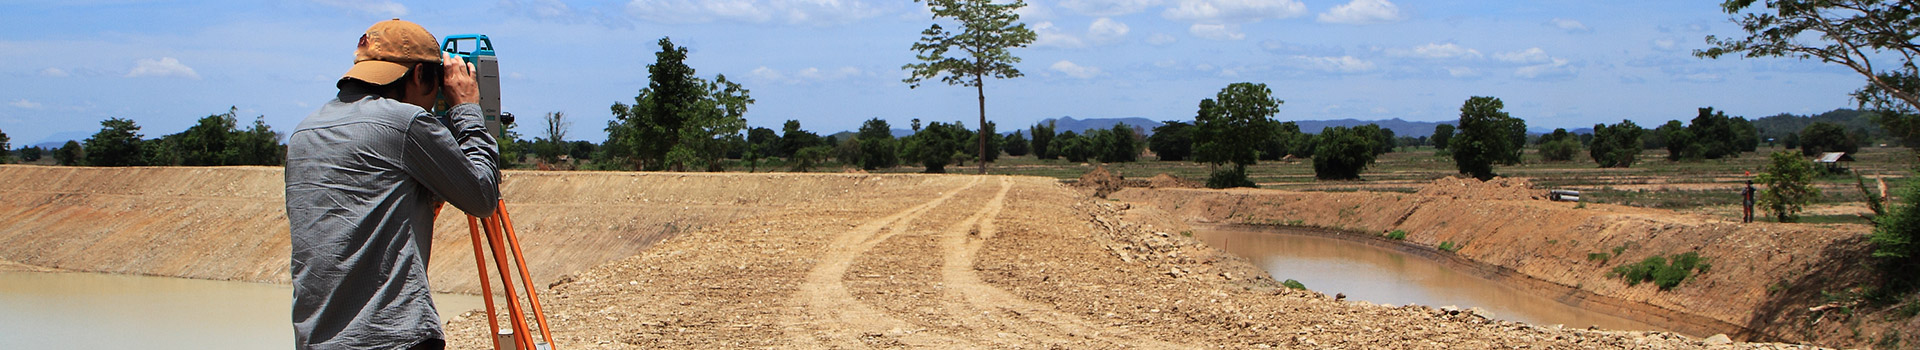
(981, 262)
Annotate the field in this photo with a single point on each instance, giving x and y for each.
(1705, 187)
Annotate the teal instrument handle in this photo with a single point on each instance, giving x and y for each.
(481, 46)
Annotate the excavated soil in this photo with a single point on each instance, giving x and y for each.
(842, 260)
(1763, 278)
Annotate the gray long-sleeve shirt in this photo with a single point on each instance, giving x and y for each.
(365, 175)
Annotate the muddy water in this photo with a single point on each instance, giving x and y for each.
(101, 311)
(1383, 276)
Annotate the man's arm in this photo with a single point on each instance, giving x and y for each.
(458, 164)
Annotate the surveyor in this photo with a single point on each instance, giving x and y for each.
(366, 175)
(1746, 202)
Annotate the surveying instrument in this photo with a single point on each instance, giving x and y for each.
(502, 241)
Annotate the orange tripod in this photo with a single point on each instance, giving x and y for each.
(500, 236)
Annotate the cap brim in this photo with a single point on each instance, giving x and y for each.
(377, 72)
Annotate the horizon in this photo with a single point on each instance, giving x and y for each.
(831, 65)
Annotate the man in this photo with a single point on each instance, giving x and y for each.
(1746, 202)
(366, 175)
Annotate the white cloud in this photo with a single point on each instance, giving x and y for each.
(1160, 39)
(1104, 29)
(815, 12)
(1343, 64)
(163, 67)
(1075, 70)
(1217, 31)
(1234, 11)
(1554, 67)
(767, 73)
(1363, 12)
(54, 72)
(1528, 56)
(1571, 26)
(1664, 44)
(23, 103)
(1704, 77)
(1438, 51)
(380, 8)
(1047, 35)
(804, 75)
(1108, 7)
(1462, 72)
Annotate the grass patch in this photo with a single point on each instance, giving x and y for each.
(1397, 235)
(1664, 272)
(1600, 257)
(1450, 247)
(1290, 283)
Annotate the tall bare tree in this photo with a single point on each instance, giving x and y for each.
(988, 31)
(557, 125)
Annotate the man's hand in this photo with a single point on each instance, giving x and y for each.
(460, 87)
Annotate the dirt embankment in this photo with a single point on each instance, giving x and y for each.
(229, 223)
(1757, 287)
(984, 262)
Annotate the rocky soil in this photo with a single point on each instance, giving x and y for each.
(987, 262)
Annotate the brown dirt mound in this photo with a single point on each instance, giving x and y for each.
(1500, 188)
(1169, 181)
(1101, 181)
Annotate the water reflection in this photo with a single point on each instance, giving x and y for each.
(1383, 276)
(101, 311)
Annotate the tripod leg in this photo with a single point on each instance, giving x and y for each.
(480, 264)
(533, 295)
(496, 239)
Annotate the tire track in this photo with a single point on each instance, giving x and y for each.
(985, 307)
(831, 316)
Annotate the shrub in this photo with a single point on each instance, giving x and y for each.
(1229, 177)
(1660, 270)
(1789, 182)
(1450, 247)
(1397, 235)
(1290, 283)
(1600, 257)
(1895, 234)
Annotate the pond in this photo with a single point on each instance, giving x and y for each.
(40, 310)
(1384, 276)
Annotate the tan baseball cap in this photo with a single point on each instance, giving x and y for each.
(390, 48)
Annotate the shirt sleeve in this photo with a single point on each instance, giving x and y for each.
(456, 158)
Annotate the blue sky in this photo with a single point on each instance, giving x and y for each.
(833, 63)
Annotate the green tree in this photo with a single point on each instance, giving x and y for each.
(1560, 150)
(117, 144)
(807, 158)
(995, 144)
(31, 153)
(1043, 140)
(1862, 35)
(1342, 153)
(1017, 144)
(1895, 234)
(6, 144)
(1229, 127)
(70, 153)
(988, 32)
(793, 139)
(1172, 141)
(1826, 137)
(650, 127)
(678, 121)
(1441, 135)
(1617, 145)
(1116, 145)
(1679, 141)
(554, 145)
(1789, 181)
(934, 146)
(878, 148)
(1073, 147)
(1486, 137)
